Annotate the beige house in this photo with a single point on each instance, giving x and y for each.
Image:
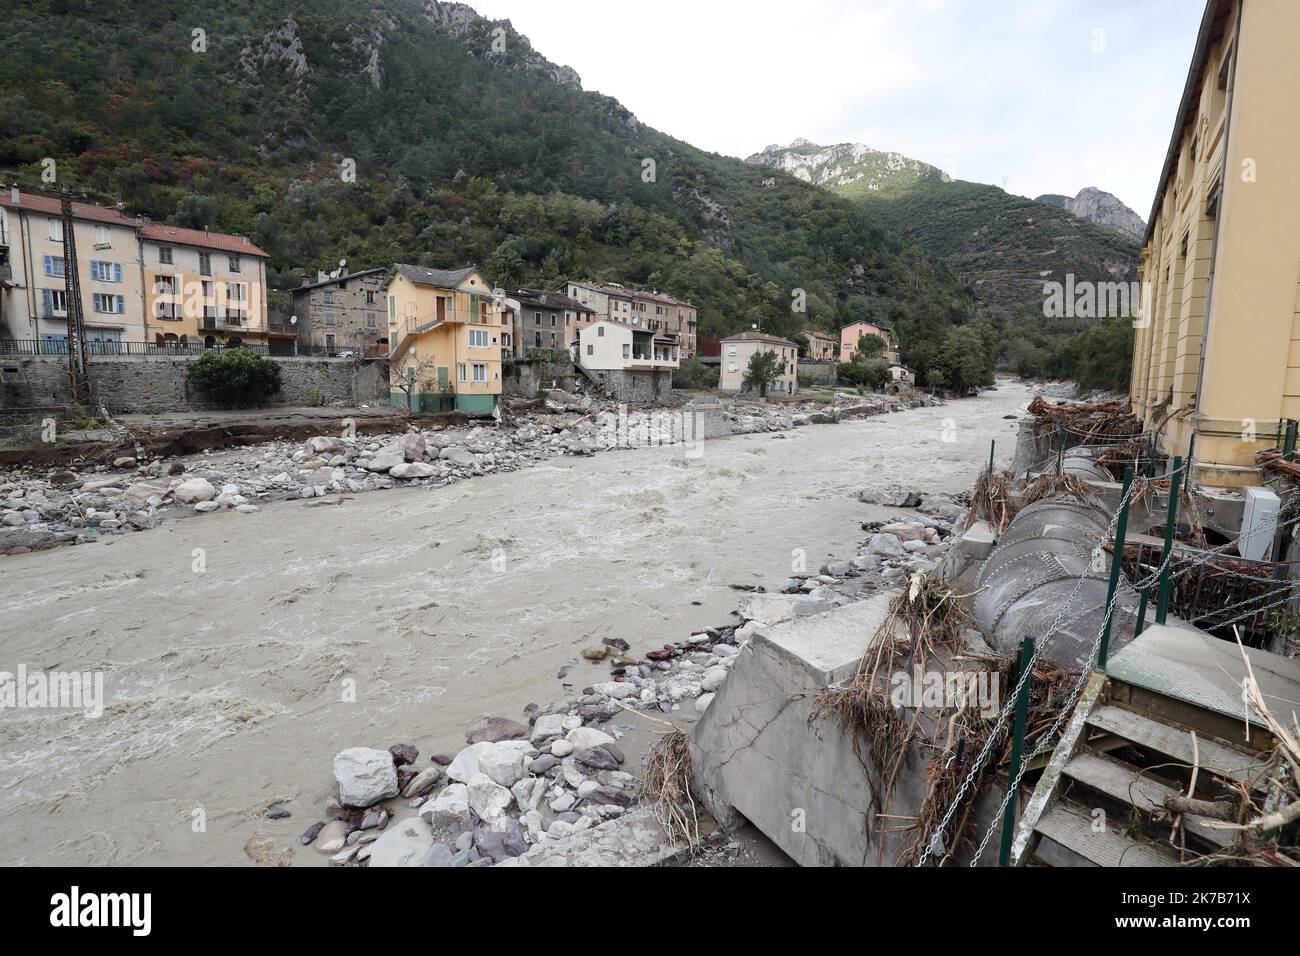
(736, 353)
(822, 347)
(203, 286)
(33, 295)
(657, 312)
(612, 346)
(850, 334)
(1217, 349)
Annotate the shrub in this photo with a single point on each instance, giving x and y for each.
(234, 377)
(692, 373)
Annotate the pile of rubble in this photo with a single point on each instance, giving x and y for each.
(554, 787)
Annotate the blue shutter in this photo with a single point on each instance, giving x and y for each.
(49, 265)
(121, 302)
(47, 301)
(117, 272)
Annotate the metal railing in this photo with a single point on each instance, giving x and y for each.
(42, 347)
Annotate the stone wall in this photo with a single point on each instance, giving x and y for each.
(823, 372)
(144, 384)
(645, 387)
(523, 377)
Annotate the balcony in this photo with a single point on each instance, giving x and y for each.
(417, 324)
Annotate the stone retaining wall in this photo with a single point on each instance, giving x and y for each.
(144, 384)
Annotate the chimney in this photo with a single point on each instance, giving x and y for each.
(15, 196)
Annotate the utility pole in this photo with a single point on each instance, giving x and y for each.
(78, 371)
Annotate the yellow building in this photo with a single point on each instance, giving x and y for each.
(445, 331)
(1221, 260)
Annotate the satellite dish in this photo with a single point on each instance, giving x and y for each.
(334, 274)
(293, 320)
(343, 263)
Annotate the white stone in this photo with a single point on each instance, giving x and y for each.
(412, 469)
(712, 679)
(365, 776)
(561, 748)
(505, 762)
(615, 689)
(547, 725)
(465, 764)
(528, 793)
(403, 844)
(194, 490)
(487, 798)
(587, 737)
(451, 804)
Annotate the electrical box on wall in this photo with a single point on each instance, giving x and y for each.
(1258, 524)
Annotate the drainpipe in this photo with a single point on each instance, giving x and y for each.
(1218, 216)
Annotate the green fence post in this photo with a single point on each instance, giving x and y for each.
(1145, 595)
(1288, 447)
(1116, 563)
(1171, 522)
(992, 444)
(1017, 745)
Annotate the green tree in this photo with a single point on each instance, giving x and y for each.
(870, 347)
(506, 268)
(234, 377)
(765, 368)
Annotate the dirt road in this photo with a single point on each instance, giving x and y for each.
(241, 652)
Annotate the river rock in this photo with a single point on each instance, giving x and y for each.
(365, 776)
(194, 490)
(449, 806)
(403, 844)
(487, 798)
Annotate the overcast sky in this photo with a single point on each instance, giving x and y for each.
(1033, 95)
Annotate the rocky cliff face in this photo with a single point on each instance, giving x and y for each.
(847, 167)
(484, 37)
(1099, 206)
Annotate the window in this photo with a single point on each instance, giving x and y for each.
(109, 304)
(568, 317)
(590, 349)
(600, 330)
(553, 318)
(54, 301)
(54, 266)
(370, 297)
(205, 263)
(537, 339)
(329, 298)
(209, 289)
(165, 255)
(627, 351)
(372, 320)
(460, 371)
(103, 240)
(235, 292)
(55, 230)
(392, 309)
(480, 372)
(731, 350)
(234, 263)
(329, 317)
(537, 318)
(478, 338)
(731, 366)
(106, 271)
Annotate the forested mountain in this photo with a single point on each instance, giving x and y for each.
(1004, 246)
(467, 146)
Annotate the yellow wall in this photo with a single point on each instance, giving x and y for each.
(422, 342)
(1251, 374)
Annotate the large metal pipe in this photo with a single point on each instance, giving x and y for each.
(1051, 548)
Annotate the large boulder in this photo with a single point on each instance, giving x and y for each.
(465, 764)
(365, 776)
(447, 807)
(886, 545)
(384, 461)
(403, 844)
(413, 446)
(488, 799)
(193, 490)
(324, 445)
(412, 469)
(506, 762)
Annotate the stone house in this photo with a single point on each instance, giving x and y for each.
(342, 313)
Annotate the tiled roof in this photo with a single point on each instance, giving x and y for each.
(50, 205)
(551, 300)
(752, 336)
(350, 275)
(661, 297)
(175, 235)
(441, 278)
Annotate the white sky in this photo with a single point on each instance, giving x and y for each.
(1033, 95)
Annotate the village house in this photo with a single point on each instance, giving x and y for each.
(822, 347)
(546, 320)
(342, 313)
(445, 329)
(850, 334)
(901, 374)
(737, 351)
(1216, 352)
(655, 311)
(635, 364)
(207, 287)
(33, 297)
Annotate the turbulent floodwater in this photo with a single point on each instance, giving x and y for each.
(241, 652)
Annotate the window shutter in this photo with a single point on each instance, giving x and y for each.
(47, 299)
(121, 303)
(49, 265)
(117, 272)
